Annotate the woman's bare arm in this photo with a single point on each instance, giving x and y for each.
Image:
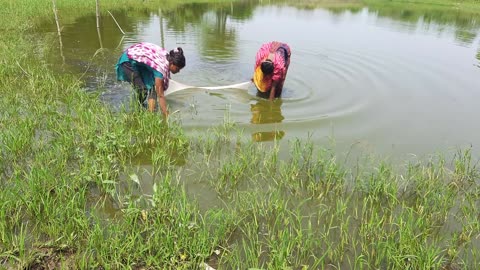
(159, 86)
(272, 90)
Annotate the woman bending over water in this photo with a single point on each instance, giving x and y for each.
(146, 65)
(271, 66)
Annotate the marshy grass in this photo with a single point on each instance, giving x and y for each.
(293, 219)
(310, 212)
(63, 153)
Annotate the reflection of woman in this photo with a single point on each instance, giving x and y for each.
(146, 65)
(271, 66)
(265, 112)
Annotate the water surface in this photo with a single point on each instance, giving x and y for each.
(395, 81)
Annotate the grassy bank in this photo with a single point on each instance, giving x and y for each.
(68, 198)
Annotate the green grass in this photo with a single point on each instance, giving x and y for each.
(63, 203)
(458, 4)
(464, 6)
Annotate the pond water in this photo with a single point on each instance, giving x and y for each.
(396, 81)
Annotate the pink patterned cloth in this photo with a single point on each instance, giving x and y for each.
(278, 58)
(152, 56)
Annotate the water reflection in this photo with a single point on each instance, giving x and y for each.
(215, 27)
(352, 67)
(478, 57)
(218, 37)
(83, 34)
(87, 50)
(426, 16)
(217, 40)
(181, 17)
(267, 112)
(465, 37)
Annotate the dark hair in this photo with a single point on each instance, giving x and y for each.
(176, 57)
(267, 67)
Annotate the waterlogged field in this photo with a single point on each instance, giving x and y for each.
(389, 79)
(85, 185)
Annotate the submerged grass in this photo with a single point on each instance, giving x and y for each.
(62, 153)
(386, 220)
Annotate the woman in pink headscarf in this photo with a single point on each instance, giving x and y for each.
(271, 66)
(146, 65)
